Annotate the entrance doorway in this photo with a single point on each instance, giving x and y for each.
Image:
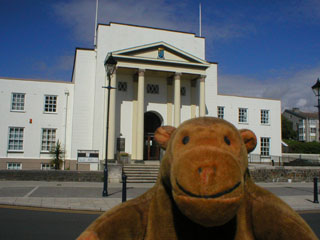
(151, 151)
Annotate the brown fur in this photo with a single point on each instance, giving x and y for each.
(204, 191)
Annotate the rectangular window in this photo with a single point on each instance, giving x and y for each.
(220, 112)
(48, 139)
(14, 166)
(265, 146)
(264, 116)
(17, 101)
(153, 88)
(46, 166)
(50, 105)
(183, 91)
(15, 139)
(313, 130)
(301, 130)
(122, 86)
(243, 115)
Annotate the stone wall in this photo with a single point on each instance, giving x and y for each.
(114, 172)
(261, 174)
(284, 174)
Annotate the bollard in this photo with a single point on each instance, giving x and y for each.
(124, 188)
(315, 190)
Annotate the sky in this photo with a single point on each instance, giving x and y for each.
(265, 48)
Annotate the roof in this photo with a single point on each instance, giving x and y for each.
(304, 115)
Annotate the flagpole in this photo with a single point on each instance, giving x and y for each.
(200, 30)
(95, 24)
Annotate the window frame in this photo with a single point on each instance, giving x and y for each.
(14, 167)
(47, 166)
(122, 86)
(48, 147)
(219, 112)
(265, 146)
(263, 117)
(12, 102)
(150, 87)
(18, 141)
(51, 105)
(240, 116)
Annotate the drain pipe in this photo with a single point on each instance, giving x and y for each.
(66, 92)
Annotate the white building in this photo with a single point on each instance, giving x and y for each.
(162, 78)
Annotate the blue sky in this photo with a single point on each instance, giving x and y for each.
(264, 48)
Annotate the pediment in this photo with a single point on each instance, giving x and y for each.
(159, 51)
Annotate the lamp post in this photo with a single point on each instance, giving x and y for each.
(110, 66)
(316, 90)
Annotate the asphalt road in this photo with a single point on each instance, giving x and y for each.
(37, 224)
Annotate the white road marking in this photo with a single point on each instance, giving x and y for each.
(29, 193)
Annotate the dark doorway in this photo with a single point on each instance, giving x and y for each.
(151, 149)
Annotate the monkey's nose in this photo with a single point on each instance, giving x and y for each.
(206, 174)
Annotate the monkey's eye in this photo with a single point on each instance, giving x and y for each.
(185, 140)
(227, 140)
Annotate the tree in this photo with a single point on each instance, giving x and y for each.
(57, 154)
(287, 129)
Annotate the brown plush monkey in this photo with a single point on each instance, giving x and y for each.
(204, 191)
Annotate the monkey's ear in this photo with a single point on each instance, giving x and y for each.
(249, 139)
(163, 134)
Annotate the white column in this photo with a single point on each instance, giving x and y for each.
(169, 101)
(140, 115)
(177, 99)
(202, 107)
(134, 118)
(193, 98)
(112, 116)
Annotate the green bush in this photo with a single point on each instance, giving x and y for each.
(303, 147)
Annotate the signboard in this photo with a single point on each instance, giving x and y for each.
(121, 144)
(88, 156)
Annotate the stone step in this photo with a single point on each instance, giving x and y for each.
(141, 173)
(141, 181)
(142, 166)
(141, 177)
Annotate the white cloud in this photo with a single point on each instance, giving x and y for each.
(293, 89)
(80, 15)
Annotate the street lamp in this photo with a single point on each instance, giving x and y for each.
(316, 90)
(110, 66)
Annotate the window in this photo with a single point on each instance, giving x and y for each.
(153, 88)
(122, 86)
(15, 139)
(14, 166)
(183, 91)
(50, 105)
(301, 130)
(313, 130)
(17, 101)
(46, 166)
(265, 146)
(243, 115)
(264, 116)
(220, 112)
(48, 139)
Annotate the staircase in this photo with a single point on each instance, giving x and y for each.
(141, 173)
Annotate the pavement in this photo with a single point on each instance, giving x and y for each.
(88, 195)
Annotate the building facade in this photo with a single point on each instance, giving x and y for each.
(306, 124)
(162, 78)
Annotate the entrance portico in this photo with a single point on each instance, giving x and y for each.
(166, 73)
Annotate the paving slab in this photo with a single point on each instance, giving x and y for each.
(87, 196)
